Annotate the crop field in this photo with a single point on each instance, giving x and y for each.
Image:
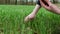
(12, 20)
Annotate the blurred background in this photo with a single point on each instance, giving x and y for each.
(23, 2)
(13, 12)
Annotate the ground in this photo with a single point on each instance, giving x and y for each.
(12, 20)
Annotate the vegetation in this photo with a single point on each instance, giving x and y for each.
(12, 21)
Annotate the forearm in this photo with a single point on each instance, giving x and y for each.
(55, 9)
(36, 9)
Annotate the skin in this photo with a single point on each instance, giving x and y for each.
(53, 8)
(33, 13)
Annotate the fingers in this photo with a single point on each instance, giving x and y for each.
(42, 3)
(48, 2)
(45, 6)
(45, 2)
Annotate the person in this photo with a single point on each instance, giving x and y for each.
(53, 8)
(34, 12)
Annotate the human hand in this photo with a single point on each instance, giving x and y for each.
(53, 8)
(46, 4)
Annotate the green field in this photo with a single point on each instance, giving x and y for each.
(12, 21)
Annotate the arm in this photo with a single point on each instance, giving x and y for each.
(53, 8)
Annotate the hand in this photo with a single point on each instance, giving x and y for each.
(29, 17)
(53, 8)
(44, 5)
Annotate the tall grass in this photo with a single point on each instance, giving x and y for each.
(12, 20)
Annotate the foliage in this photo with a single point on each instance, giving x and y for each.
(12, 20)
